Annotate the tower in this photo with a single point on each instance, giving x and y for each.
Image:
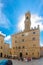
(27, 21)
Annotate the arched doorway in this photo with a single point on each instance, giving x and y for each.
(20, 54)
(1, 54)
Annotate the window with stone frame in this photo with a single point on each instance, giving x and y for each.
(32, 53)
(23, 47)
(26, 53)
(22, 40)
(15, 41)
(1, 47)
(22, 34)
(34, 32)
(19, 47)
(13, 47)
(33, 38)
(27, 17)
(16, 47)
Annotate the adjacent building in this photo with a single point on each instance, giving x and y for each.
(41, 51)
(27, 42)
(10, 52)
(1, 45)
(4, 47)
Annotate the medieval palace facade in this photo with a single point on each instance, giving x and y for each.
(27, 43)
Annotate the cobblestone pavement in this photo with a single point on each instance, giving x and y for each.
(33, 62)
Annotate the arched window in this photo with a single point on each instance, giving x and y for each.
(1, 47)
(13, 47)
(27, 17)
(19, 47)
(23, 47)
(26, 53)
(22, 40)
(33, 38)
(33, 32)
(16, 47)
(15, 41)
(32, 53)
(22, 34)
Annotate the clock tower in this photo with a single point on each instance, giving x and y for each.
(27, 21)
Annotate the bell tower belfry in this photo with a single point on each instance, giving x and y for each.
(27, 21)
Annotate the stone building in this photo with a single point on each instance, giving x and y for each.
(41, 51)
(27, 43)
(4, 48)
(1, 45)
(10, 51)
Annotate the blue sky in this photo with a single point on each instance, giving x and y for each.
(12, 15)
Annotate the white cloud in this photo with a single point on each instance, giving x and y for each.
(41, 43)
(4, 21)
(35, 21)
(7, 37)
(21, 25)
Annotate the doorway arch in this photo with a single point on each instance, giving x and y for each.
(1, 54)
(21, 54)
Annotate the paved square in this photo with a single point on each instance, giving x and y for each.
(33, 62)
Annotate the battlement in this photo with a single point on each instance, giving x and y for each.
(35, 28)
